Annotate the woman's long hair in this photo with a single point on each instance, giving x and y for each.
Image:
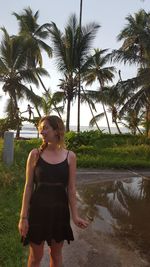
(57, 124)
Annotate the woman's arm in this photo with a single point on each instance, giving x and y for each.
(23, 222)
(72, 192)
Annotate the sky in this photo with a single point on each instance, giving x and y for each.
(110, 14)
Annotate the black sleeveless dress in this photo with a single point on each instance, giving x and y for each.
(49, 216)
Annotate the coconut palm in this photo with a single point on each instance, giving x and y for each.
(49, 103)
(14, 71)
(136, 49)
(132, 120)
(96, 70)
(88, 100)
(69, 87)
(133, 106)
(136, 40)
(109, 97)
(79, 70)
(69, 49)
(33, 36)
(112, 98)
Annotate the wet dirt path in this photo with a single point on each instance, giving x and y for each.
(97, 246)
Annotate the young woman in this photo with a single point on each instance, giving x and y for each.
(48, 193)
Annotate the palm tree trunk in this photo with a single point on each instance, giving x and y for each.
(18, 120)
(114, 118)
(18, 130)
(147, 119)
(38, 112)
(79, 89)
(46, 92)
(139, 130)
(79, 99)
(42, 83)
(117, 127)
(68, 116)
(106, 118)
(101, 86)
(91, 110)
(94, 117)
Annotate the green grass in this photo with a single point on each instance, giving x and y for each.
(12, 254)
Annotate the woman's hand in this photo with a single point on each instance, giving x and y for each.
(23, 226)
(80, 222)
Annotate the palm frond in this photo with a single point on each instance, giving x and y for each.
(45, 47)
(96, 118)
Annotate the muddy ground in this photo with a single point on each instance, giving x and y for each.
(93, 247)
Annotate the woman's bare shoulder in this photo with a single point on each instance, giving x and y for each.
(71, 155)
(34, 153)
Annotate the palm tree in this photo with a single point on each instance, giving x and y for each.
(88, 100)
(49, 103)
(33, 36)
(14, 71)
(69, 49)
(96, 70)
(79, 86)
(132, 120)
(112, 98)
(136, 50)
(109, 97)
(69, 87)
(136, 40)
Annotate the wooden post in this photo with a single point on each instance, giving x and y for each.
(8, 150)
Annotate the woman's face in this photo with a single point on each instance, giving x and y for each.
(47, 132)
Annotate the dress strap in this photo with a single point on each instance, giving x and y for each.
(38, 151)
(37, 157)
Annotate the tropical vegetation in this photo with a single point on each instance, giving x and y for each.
(80, 66)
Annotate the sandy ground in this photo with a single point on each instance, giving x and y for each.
(94, 248)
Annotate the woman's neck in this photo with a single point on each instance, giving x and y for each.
(53, 146)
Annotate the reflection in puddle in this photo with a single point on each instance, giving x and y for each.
(120, 209)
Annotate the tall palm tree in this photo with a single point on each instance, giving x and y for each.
(15, 72)
(109, 97)
(79, 86)
(69, 48)
(136, 50)
(69, 86)
(136, 40)
(33, 36)
(132, 120)
(96, 70)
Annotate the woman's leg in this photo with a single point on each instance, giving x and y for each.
(56, 254)
(35, 255)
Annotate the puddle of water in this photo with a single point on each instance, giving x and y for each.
(120, 210)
